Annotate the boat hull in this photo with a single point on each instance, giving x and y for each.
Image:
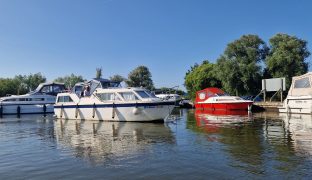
(297, 105)
(224, 106)
(117, 112)
(9, 109)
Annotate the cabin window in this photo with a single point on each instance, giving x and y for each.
(142, 94)
(302, 83)
(202, 96)
(38, 99)
(9, 100)
(64, 99)
(46, 89)
(129, 96)
(58, 89)
(107, 96)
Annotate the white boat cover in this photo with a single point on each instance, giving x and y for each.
(301, 85)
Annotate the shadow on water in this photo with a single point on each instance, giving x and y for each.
(258, 143)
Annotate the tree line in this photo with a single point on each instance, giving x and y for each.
(21, 84)
(248, 60)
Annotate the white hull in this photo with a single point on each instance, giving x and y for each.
(26, 109)
(297, 104)
(143, 113)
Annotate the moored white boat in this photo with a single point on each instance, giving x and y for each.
(299, 98)
(170, 97)
(112, 103)
(39, 101)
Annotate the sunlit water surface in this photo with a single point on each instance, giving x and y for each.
(191, 145)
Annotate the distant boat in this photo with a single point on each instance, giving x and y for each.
(39, 101)
(299, 98)
(170, 97)
(110, 102)
(216, 99)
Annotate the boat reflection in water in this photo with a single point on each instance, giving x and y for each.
(97, 142)
(213, 120)
(299, 127)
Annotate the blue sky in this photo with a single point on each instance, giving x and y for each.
(61, 37)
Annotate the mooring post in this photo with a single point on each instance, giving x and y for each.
(264, 88)
(282, 90)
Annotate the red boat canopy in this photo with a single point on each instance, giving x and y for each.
(204, 94)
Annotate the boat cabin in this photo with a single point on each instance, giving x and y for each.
(94, 84)
(49, 89)
(301, 85)
(204, 94)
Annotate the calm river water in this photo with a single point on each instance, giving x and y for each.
(191, 145)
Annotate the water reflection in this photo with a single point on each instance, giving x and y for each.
(213, 120)
(299, 127)
(253, 141)
(97, 142)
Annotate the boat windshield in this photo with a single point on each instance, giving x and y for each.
(152, 94)
(128, 96)
(222, 94)
(142, 94)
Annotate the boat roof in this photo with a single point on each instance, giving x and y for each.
(301, 85)
(207, 93)
(212, 90)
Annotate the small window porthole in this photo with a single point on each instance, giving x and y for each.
(202, 95)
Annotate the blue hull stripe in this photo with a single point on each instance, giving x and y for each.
(114, 105)
(26, 104)
(27, 113)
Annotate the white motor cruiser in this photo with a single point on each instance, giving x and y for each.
(110, 102)
(299, 99)
(39, 101)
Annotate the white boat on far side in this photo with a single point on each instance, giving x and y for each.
(299, 98)
(40, 101)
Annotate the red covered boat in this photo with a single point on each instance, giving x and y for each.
(216, 99)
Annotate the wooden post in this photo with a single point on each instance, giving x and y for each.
(264, 90)
(282, 90)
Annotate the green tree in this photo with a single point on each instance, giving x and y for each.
(70, 80)
(287, 57)
(20, 84)
(33, 80)
(140, 77)
(98, 74)
(8, 86)
(200, 77)
(239, 68)
(117, 78)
